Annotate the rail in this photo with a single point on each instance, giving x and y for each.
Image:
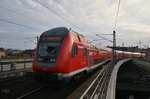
(143, 65)
(144, 59)
(29, 93)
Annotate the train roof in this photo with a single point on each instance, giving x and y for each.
(62, 31)
(58, 31)
(126, 52)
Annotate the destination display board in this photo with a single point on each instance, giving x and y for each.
(51, 38)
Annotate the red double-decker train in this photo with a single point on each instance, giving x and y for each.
(62, 54)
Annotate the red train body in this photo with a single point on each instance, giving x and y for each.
(61, 54)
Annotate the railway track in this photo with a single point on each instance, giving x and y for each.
(29, 89)
(95, 85)
(17, 87)
(29, 93)
(54, 93)
(49, 93)
(14, 80)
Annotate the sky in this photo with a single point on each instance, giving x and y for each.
(21, 21)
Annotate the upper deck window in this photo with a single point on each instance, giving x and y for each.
(84, 51)
(74, 51)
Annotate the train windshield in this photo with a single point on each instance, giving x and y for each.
(48, 51)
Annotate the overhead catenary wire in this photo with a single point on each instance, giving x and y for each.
(114, 25)
(30, 40)
(117, 15)
(104, 38)
(18, 24)
(58, 2)
(15, 12)
(62, 17)
(74, 16)
(58, 15)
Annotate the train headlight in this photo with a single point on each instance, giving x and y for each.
(40, 59)
(52, 60)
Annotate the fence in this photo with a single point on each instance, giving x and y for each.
(10, 65)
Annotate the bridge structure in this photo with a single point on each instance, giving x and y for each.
(127, 79)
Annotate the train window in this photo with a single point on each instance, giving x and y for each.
(84, 51)
(74, 51)
(94, 61)
(48, 52)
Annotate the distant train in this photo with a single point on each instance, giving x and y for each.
(62, 54)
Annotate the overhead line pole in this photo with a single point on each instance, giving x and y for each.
(114, 44)
(114, 47)
(114, 35)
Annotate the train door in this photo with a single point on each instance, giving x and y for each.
(90, 58)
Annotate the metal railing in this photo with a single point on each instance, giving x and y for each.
(7, 65)
(98, 87)
(144, 59)
(15, 68)
(111, 87)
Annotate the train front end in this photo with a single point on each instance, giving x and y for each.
(51, 57)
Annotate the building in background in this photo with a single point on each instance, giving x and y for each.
(147, 51)
(2, 53)
(28, 53)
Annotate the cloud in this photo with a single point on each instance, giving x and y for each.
(92, 17)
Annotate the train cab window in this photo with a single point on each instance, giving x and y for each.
(84, 51)
(74, 51)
